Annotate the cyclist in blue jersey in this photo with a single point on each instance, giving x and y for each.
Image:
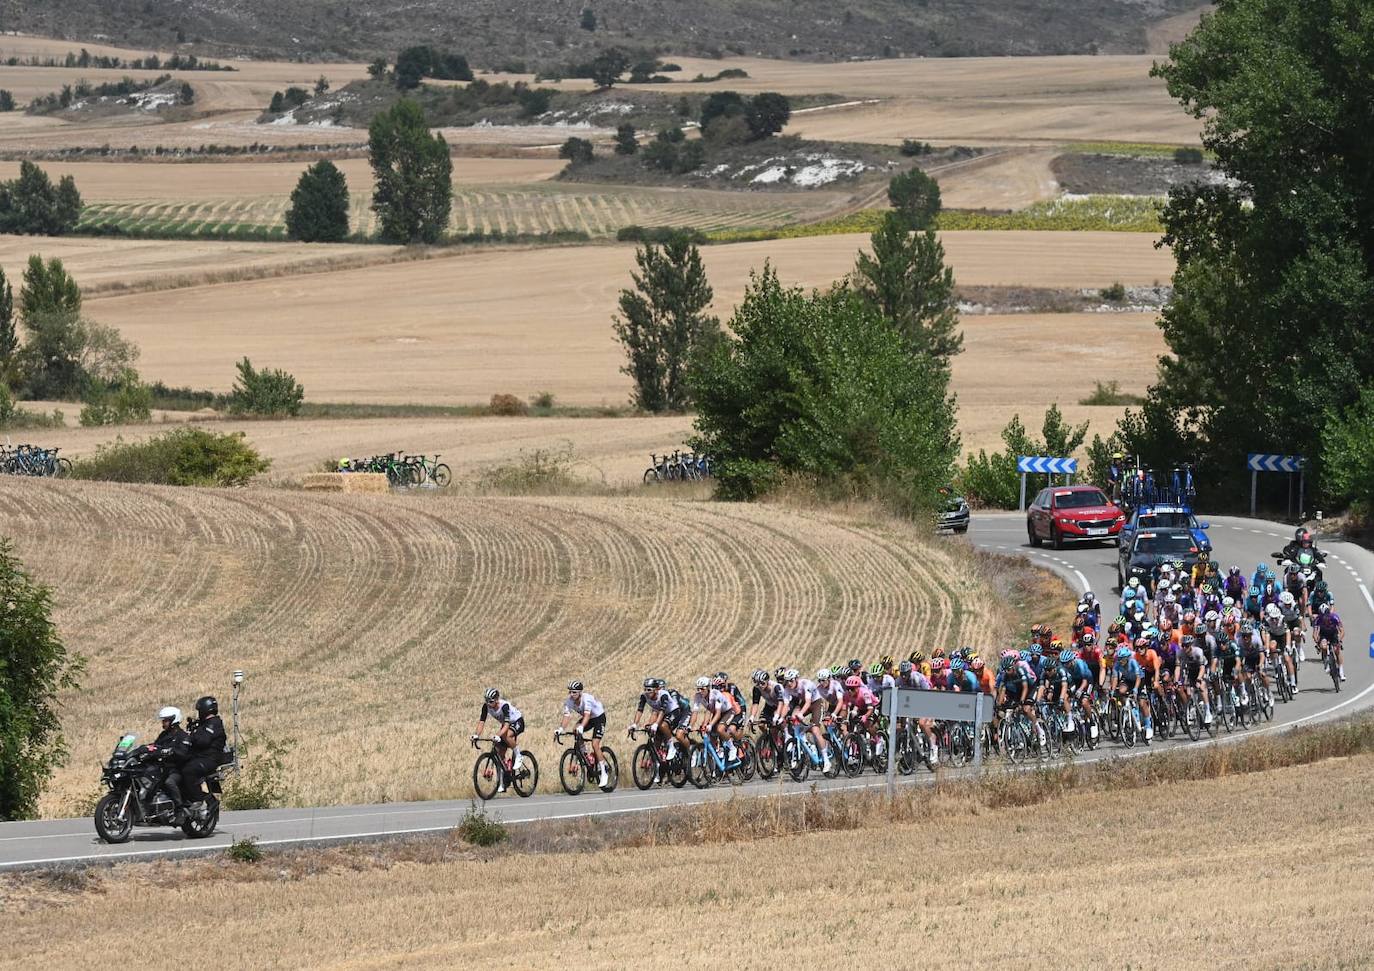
(1128, 677)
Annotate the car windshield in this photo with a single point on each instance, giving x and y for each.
(1166, 520)
(1079, 500)
(1164, 543)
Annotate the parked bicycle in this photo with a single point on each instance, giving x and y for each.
(33, 460)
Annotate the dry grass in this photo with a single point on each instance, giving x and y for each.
(1047, 878)
(377, 621)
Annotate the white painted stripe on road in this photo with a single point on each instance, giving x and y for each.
(1083, 580)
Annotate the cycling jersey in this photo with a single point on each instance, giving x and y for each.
(771, 694)
(804, 691)
(505, 713)
(1078, 672)
(830, 691)
(915, 680)
(588, 705)
(1235, 587)
(714, 701)
(733, 691)
(860, 700)
(1148, 661)
(965, 681)
(1227, 657)
(881, 684)
(1329, 625)
(1129, 670)
(661, 700)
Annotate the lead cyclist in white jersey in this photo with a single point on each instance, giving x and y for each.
(591, 718)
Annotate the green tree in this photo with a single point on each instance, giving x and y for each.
(1277, 267)
(625, 141)
(277, 104)
(608, 65)
(321, 86)
(821, 386)
(993, 480)
(720, 104)
(414, 176)
(35, 668)
(271, 393)
(47, 290)
(319, 205)
(32, 205)
(377, 69)
(412, 64)
(916, 197)
(588, 21)
(663, 322)
(907, 281)
(768, 113)
(186, 94)
(9, 334)
(6, 100)
(578, 151)
(1347, 452)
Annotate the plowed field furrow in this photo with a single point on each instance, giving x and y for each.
(369, 625)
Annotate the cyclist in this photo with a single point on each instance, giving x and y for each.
(1252, 657)
(590, 715)
(1330, 631)
(1147, 659)
(668, 714)
(861, 705)
(1235, 585)
(735, 724)
(713, 710)
(804, 703)
(831, 689)
(1276, 635)
(880, 676)
(909, 676)
(768, 695)
(1224, 663)
(1192, 665)
(1017, 685)
(1055, 685)
(512, 726)
(918, 658)
(1081, 681)
(1127, 679)
(1294, 616)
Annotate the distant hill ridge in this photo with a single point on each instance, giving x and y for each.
(548, 32)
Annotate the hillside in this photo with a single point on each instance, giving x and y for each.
(550, 31)
(369, 626)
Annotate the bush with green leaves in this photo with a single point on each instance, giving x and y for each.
(35, 668)
(578, 151)
(122, 402)
(993, 481)
(821, 387)
(479, 829)
(12, 417)
(269, 393)
(244, 850)
(1186, 155)
(261, 781)
(626, 142)
(319, 205)
(1348, 452)
(182, 457)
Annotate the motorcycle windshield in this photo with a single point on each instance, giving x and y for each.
(125, 744)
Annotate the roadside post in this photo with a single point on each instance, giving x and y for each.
(948, 706)
(1258, 462)
(1046, 465)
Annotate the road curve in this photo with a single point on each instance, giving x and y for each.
(1350, 570)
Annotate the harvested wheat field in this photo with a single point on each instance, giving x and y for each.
(369, 625)
(612, 452)
(521, 321)
(920, 889)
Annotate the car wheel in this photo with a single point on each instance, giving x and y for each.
(961, 529)
(1056, 540)
(1030, 532)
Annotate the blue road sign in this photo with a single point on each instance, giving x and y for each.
(1259, 462)
(1040, 463)
(1371, 645)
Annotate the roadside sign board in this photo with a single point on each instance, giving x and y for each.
(1045, 463)
(1371, 645)
(949, 706)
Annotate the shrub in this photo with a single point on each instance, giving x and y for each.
(992, 480)
(578, 151)
(13, 417)
(507, 404)
(479, 829)
(625, 141)
(6, 100)
(184, 457)
(261, 782)
(541, 472)
(1348, 451)
(271, 393)
(543, 401)
(244, 850)
(1116, 293)
(659, 234)
(1111, 394)
(319, 205)
(1188, 156)
(128, 400)
(911, 148)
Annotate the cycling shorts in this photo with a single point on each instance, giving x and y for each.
(517, 727)
(597, 726)
(1252, 662)
(1147, 679)
(817, 712)
(677, 719)
(767, 713)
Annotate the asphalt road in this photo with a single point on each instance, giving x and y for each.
(1245, 542)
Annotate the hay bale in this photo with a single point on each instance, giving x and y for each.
(345, 482)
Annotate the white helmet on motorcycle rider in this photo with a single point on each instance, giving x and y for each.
(169, 712)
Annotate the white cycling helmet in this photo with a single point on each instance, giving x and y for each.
(1212, 616)
(1286, 598)
(791, 674)
(823, 674)
(169, 712)
(1132, 583)
(703, 683)
(1228, 602)
(1273, 611)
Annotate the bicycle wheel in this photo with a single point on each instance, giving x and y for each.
(612, 769)
(854, 754)
(486, 776)
(1267, 703)
(766, 755)
(443, 476)
(698, 771)
(650, 475)
(907, 754)
(748, 763)
(1073, 738)
(643, 766)
(64, 468)
(1129, 728)
(572, 773)
(798, 761)
(1334, 669)
(677, 771)
(1225, 709)
(1192, 719)
(527, 778)
(835, 768)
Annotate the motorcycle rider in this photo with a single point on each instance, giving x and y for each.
(1302, 541)
(207, 738)
(169, 750)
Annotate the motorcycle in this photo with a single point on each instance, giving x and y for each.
(136, 797)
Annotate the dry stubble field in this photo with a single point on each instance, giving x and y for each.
(967, 887)
(370, 625)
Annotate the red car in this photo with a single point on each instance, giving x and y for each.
(1072, 514)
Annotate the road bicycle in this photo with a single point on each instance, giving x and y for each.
(801, 754)
(426, 471)
(650, 764)
(709, 763)
(33, 461)
(1125, 719)
(1329, 662)
(768, 745)
(492, 771)
(578, 764)
(847, 748)
(678, 467)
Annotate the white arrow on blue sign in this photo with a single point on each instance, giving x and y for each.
(1371, 645)
(1258, 462)
(1040, 463)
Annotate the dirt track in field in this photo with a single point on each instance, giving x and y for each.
(370, 625)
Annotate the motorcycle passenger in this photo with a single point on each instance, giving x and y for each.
(207, 741)
(590, 715)
(169, 751)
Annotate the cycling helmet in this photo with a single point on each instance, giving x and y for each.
(206, 705)
(939, 664)
(718, 682)
(1046, 632)
(1089, 639)
(1321, 586)
(1082, 608)
(660, 683)
(722, 676)
(877, 669)
(905, 668)
(781, 672)
(856, 665)
(1025, 656)
(885, 661)
(791, 674)
(1324, 608)
(917, 656)
(1273, 611)
(1228, 602)
(1132, 583)
(169, 712)
(649, 684)
(1247, 628)
(1006, 663)
(1140, 644)
(957, 665)
(1051, 662)
(853, 683)
(823, 674)
(1120, 620)
(759, 677)
(1234, 570)
(1056, 645)
(1036, 650)
(1035, 630)
(574, 686)
(938, 652)
(703, 683)
(1190, 616)
(1286, 598)
(491, 695)
(1123, 652)
(1067, 657)
(977, 664)
(1188, 640)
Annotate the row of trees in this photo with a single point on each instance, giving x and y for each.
(31, 205)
